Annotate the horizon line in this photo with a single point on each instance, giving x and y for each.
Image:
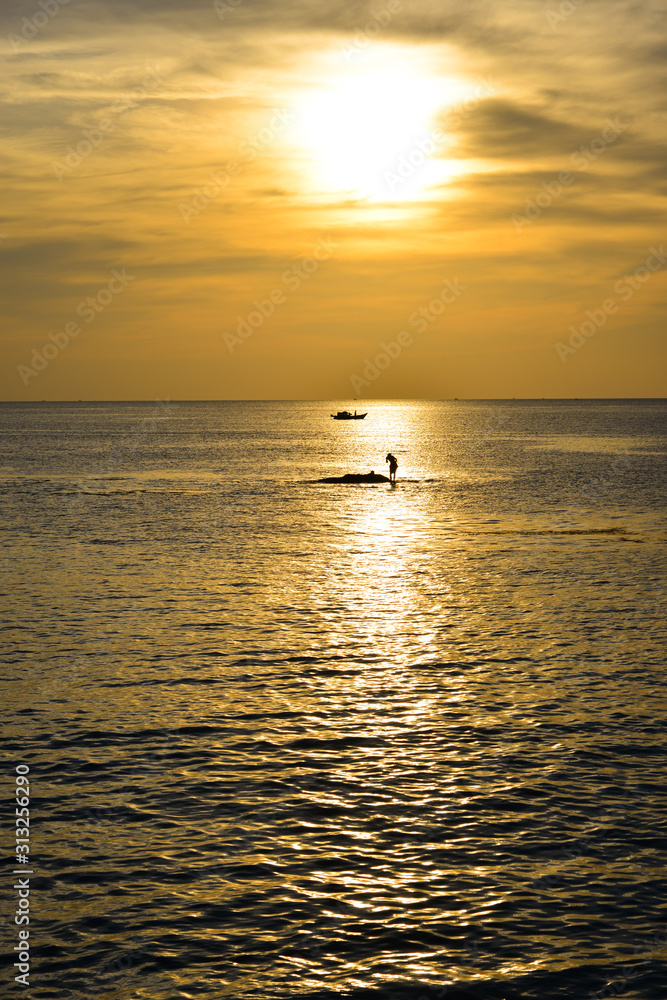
(363, 402)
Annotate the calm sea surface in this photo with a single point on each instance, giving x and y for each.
(295, 739)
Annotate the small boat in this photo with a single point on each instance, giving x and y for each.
(346, 415)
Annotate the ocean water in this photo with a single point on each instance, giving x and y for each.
(297, 739)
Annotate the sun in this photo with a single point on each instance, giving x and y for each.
(374, 133)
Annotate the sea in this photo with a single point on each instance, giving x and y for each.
(284, 738)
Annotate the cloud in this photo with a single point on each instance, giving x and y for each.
(503, 129)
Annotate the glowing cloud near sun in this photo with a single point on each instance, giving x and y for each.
(359, 128)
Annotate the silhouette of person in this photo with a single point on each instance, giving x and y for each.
(393, 465)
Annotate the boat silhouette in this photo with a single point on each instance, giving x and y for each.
(346, 415)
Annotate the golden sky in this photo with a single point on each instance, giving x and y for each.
(322, 199)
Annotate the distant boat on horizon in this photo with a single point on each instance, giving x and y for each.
(346, 415)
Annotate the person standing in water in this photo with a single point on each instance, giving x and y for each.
(393, 465)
